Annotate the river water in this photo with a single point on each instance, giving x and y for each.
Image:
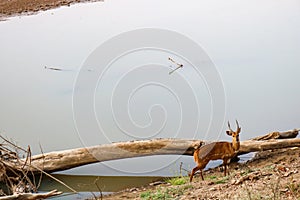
(252, 49)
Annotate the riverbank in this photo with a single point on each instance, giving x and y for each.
(27, 7)
(269, 175)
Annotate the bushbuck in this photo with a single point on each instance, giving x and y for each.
(216, 151)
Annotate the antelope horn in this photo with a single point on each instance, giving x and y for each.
(238, 128)
(237, 123)
(229, 126)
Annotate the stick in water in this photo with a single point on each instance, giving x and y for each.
(179, 66)
(52, 68)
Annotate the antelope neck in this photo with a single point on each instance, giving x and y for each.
(236, 143)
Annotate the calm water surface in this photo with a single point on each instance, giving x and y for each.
(255, 46)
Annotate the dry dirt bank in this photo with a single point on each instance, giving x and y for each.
(10, 8)
(269, 175)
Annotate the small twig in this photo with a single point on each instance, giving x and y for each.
(175, 69)
(95, 197)
(180, 169)
(5, 149)
(27, 157)
(16, 146)
(25, 172)
(33, 185)
(56, 179)
(95, 182)
(53, 68)
(186, 170)
(41, 176)
(178, 64)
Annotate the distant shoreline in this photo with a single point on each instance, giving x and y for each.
(28, 7)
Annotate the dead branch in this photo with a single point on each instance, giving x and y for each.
(254, 146)
(251, 176)
(17, 174)
(12, 144)
(62, 160)
(31, 196)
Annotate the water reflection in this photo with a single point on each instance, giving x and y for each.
(86, 185)
(91, 183)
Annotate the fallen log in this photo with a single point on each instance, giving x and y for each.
(254, 146)
(67, 159)
(31, 196)
(278, 135)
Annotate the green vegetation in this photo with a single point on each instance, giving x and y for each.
(180, 180)
(218, 180)
(166, 194)
(178, 187)
(221, 180)
(212, 177)
(155, 196)
(247, 171)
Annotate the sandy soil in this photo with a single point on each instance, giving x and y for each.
(10, 8)
(269, 175)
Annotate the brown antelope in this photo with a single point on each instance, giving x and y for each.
(216, 151)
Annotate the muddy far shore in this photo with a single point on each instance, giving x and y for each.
(273, 174)
(28, 7)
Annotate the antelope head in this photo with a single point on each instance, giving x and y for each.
(235, 135)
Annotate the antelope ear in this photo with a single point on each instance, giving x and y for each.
(228, 132)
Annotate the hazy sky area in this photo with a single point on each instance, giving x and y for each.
(254, 46)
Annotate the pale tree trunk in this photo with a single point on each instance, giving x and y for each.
(254, 146)
(67, 159)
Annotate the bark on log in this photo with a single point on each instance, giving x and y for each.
(253, 146)
(67, 159)
(279, 135)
